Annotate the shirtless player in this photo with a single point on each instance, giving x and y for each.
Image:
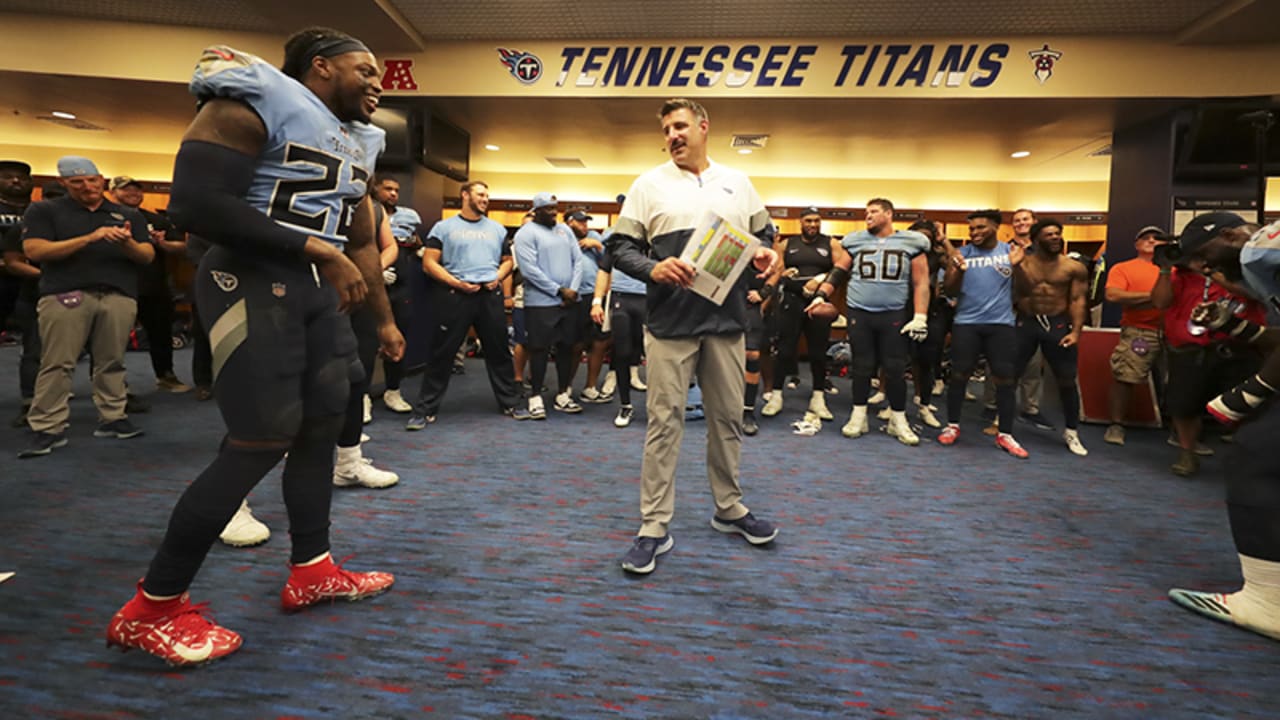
(1050, 294)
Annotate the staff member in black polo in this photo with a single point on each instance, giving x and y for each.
(89, 250)
(155, 300)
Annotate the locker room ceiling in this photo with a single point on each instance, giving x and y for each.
(942, 139)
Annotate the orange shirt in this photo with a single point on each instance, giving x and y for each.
(1136, 275)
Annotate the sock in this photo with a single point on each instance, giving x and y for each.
(348, 455)
(1257, 604)
(749, 395)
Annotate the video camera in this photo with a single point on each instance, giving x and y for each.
(1168, 253)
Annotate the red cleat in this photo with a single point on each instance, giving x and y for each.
(949, 435)
(1006, 443)
(326, 580)
(173, 630)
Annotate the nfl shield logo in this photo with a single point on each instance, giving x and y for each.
(277, 289)
(523, 66)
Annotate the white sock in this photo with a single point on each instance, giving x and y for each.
(348, 456)
(1257, 604)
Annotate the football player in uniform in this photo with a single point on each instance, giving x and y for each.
(888, 304)
(1226, 248)
(273, 171)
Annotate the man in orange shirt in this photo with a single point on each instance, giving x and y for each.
(1129, 285)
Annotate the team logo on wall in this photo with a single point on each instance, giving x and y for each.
(1044, 59)
(525, 67)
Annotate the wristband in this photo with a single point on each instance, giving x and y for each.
(597, 302)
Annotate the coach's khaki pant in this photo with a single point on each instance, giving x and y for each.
(101, 319)
(719, 362)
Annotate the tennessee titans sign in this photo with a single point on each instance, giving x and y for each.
(523, 66)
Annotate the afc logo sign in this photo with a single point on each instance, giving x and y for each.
(523, 66)
(399, 76)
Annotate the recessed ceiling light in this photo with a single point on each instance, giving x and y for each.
(63, 115)
(1021, 154)
(744, 151)
(492, 147)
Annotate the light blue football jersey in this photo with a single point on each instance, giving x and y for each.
(880, 278)
(1260, 261)
(404, 223)
(314, 169)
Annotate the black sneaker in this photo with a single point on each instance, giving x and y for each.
(641, 559)
(120, 429)
(755, 530)
(459, 369)
(749, 425)
(1037, 419)
(134, 405)
(43, 443)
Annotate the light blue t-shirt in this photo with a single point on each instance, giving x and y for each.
(471, 250)
(590, 266)
(986, 291)
(880, 278)
(314, 169)
(549, 259)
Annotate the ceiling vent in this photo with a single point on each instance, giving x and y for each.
(74, 124)
(749, 142)
(1104, 151)
(563, 162)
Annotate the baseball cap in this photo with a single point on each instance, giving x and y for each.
(811, 210)
(577, 215)
(51, 190)
(1205, 227)
(544, 199)
(1152, 230)
(18, 165)
(76, 166)
(122, 180)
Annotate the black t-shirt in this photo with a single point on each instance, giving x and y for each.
(11, 241)
(153, 278)
(98, 263)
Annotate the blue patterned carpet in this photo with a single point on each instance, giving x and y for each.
(926, 582)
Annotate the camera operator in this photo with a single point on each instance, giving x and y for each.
(1253, 475)
(1202, 363)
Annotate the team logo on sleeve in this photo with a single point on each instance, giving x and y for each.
(225, 280)
(1044, 59)
(523, 66)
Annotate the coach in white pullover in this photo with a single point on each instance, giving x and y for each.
(686, 333)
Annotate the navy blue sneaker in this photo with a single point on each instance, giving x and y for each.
(120, 429)
(755, 530)
(641, 559)
(43, 443)
(519, 412)
(418, 421)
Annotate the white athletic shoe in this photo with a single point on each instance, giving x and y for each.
(928, 418)
(594, 396)
(610, 385)
(939, 387)
(636, 383)
(818, 405)
(773, 406)
(352, 470)
(1073, 442)
(565, 403)
(364, 438)
(857, 425)
(901, 429)
(368, 410)
(884, 413)
(625, 413)
(244, 530)
(395, 402)
(876, 399)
